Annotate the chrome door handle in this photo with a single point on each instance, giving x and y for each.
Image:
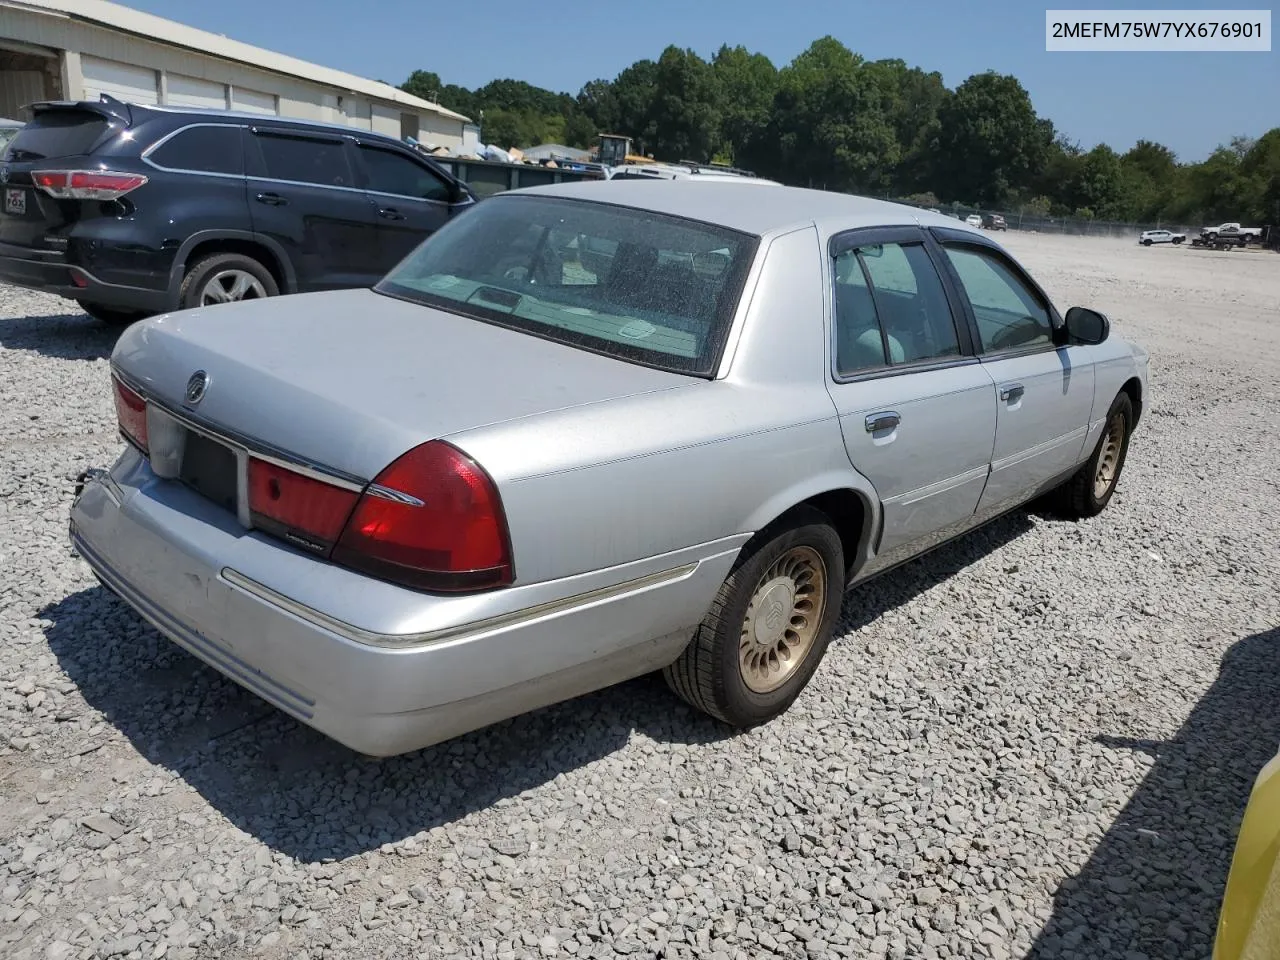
(876, 422)
(1011, 391)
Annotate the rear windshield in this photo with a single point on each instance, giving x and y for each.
(631, 284)
(57, 133)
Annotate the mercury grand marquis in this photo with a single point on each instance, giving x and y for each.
(587, 432)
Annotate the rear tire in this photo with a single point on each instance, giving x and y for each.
(1089, 490)
(1147, 243)
(110, 315)
(769, 625)
(225, 278)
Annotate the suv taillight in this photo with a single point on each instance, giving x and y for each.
(432, 520)
(131, 412)
(86, 184)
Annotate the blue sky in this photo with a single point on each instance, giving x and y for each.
(1188, 101)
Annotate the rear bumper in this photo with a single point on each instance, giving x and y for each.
(381, 685)
(51, 273)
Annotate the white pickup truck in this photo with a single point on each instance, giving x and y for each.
(1233, 230)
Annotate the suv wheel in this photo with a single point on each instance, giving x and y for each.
(225, 278)
(110, 315)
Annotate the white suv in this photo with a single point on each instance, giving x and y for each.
(1160, 236)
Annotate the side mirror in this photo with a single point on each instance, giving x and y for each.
(462, 193)
(1087, 326)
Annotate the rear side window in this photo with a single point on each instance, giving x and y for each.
(205, 149)
(306, 160)
(890, 308)
(57, 133)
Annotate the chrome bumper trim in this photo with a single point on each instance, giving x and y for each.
(461, 631)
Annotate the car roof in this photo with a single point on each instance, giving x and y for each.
(744, 206)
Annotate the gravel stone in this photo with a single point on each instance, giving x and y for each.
(1033, 742)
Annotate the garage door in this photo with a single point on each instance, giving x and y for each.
(251, 101)
(120, 80)
(189, 92)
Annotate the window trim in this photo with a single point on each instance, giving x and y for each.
(946, 236)
(293, 133)
(857, 237)
(367, 180)
(145, 156)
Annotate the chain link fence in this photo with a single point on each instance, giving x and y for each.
(1036, 221)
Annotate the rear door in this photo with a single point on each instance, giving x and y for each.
(412, 201)
(1043, 392)
(303, 195)
(915, 405)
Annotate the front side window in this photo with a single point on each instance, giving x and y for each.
(1009, 314)
(890, 308)
(306, 160)
(631, 284)
(204, 149)
(390, 172)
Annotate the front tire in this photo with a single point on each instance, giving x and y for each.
(225, 278)
(1089, 490)
(769, 625)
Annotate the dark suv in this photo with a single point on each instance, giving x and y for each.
(993, 221)
(132, 210)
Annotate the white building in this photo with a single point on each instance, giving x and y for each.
(79, 49)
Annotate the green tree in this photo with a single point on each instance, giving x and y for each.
(829, 127)
(686, 107)
(990, 141)
(1097, 183)
(635, 90)
(747, 83)
(911, 99)
(422, 83)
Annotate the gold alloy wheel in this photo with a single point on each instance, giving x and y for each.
(1109, 460)
(782, 619)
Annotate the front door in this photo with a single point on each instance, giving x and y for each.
(412, 201)
(915, 406)
(303, 195)
(1043, 393)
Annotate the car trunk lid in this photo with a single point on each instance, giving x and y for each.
(349, 380)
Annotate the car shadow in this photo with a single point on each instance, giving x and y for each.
(266, 772)
(62, 336)
(1153, 885)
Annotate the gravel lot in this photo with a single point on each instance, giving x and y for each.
(1036, 741)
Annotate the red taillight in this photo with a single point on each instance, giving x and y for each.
(131, 412)
(297, 508)
(86, 184)
(432, 520)
(78, 279)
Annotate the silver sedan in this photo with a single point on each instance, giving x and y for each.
(586, 432)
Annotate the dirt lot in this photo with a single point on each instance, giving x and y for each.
(1034, 742)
